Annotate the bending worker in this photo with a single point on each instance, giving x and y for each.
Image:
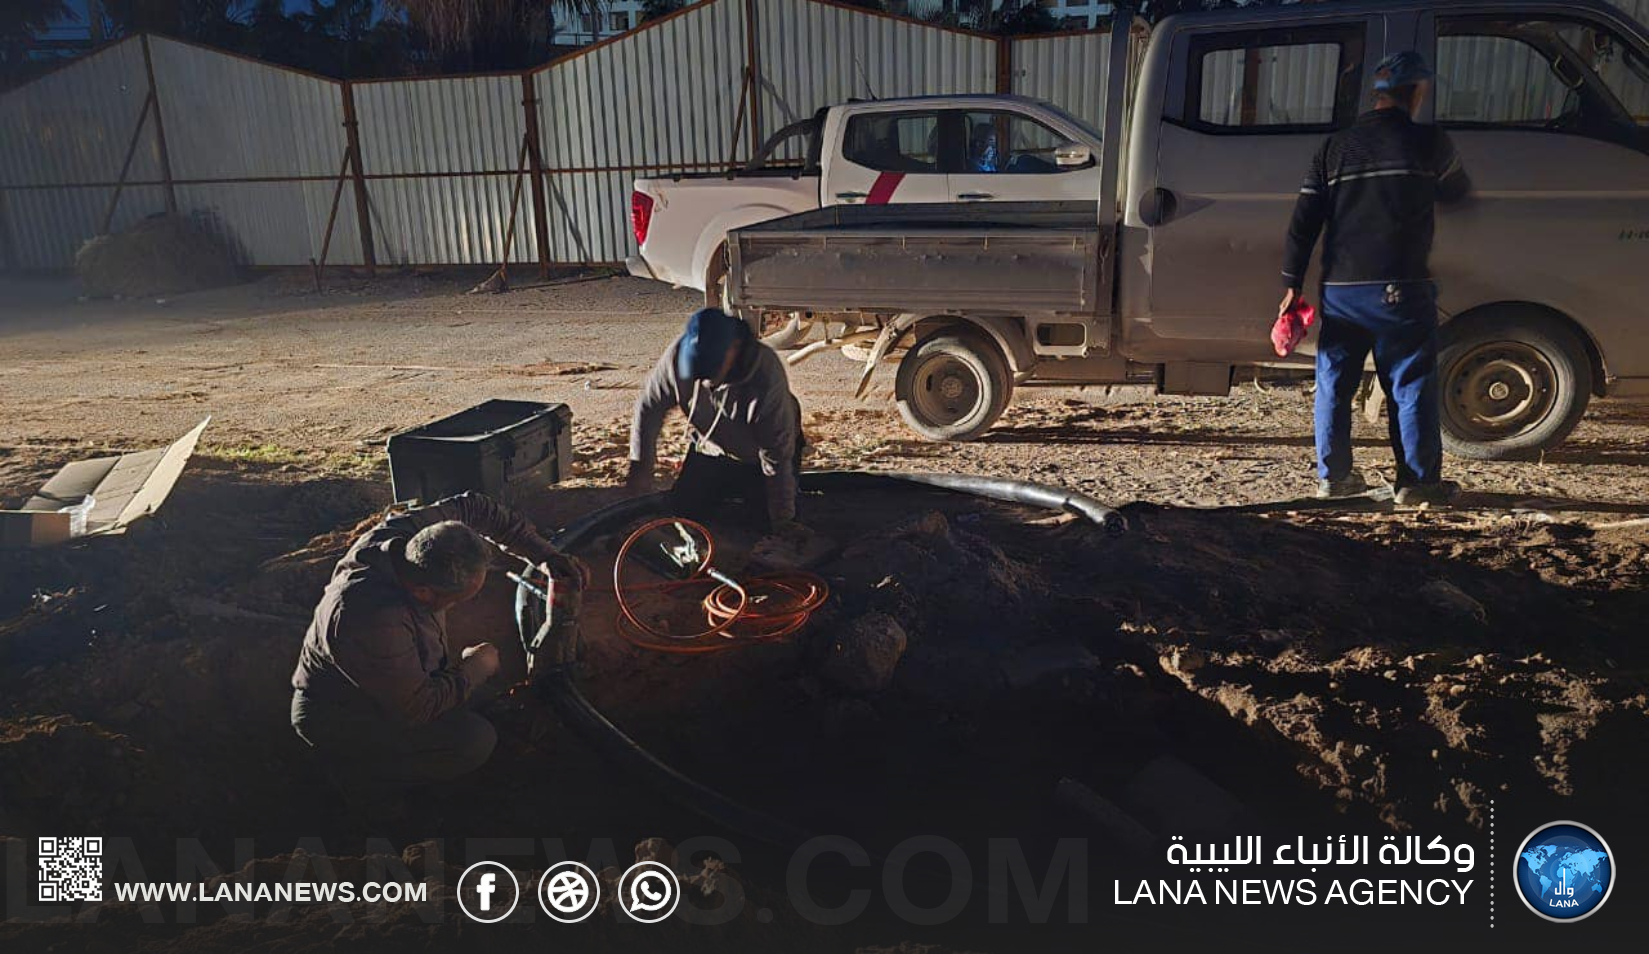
(1373, 187)
(744, 424)
(376, 692)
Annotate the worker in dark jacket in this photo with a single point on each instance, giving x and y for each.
(376, 692)
(1373, 187)
(744, 423)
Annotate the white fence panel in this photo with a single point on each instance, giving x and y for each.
(817, 54)
(664, 97)
(442, 156)
(229, 118)
(63, 139)
(1068, 71)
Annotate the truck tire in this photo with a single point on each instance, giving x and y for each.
(715, 280)
(953, 386)
(1513, 384)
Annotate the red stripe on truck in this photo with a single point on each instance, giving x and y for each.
(881, 191)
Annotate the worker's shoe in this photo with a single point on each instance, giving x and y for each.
(1435, 494)
(1350, 485)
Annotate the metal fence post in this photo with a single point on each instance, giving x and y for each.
(160, 129)
(535, 161)
(363, 206)
(753, 62)
(8, 249)
(1004, 65)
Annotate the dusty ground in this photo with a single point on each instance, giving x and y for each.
(1398, 668)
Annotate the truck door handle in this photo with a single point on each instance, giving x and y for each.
(852, 195)
(974, 196)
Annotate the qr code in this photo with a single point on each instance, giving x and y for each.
(71, 869)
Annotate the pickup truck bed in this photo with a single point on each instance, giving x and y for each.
(1016, 258)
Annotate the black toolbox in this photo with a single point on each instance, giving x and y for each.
(498, 448)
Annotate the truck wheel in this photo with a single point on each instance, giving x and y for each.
(1513, 385)
(953, 386)
(715, 281)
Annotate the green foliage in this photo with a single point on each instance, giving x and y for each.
(653, 9)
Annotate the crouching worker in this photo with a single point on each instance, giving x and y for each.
(744, 424)
(376, 693)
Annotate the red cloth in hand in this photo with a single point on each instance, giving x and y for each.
(1291, 326)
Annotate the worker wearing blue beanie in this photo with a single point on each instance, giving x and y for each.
(712, 338)
(744, 425)
(1372, 188)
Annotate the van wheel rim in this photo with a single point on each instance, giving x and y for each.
(947, 392)
(1500, 390)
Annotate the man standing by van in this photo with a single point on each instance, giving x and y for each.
(1373, 188)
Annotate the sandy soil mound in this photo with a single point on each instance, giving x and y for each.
(163, 254)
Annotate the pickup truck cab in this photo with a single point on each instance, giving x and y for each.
(938, 149)
(1169, 273)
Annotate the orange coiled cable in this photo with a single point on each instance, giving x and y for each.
(761, 609)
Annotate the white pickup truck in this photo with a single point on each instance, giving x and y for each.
(864, 153)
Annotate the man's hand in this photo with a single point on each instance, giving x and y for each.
(640, 478)
(479, 662)
(565, 566)
(1289, 297)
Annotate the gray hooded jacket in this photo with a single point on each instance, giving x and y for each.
(753, 420)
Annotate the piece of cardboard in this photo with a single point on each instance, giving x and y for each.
(124, 488)
(23, 529)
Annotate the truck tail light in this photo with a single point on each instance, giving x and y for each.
(641, 215)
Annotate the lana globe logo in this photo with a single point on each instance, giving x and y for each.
(1564, 871)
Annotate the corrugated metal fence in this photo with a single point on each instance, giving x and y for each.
(270, 156)
(534, 167)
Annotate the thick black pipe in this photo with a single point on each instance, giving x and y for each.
(1021, 492)
(561, 687)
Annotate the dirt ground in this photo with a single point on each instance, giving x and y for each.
(1308, 663)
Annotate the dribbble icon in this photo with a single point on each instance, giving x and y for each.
(1564, 871)
(649, 892)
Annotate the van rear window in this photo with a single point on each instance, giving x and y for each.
(1295, 80)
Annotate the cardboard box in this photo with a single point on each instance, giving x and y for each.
(124, 488)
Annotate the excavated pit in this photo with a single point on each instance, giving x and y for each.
(1053, 678)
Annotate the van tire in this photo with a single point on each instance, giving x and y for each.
(1513, 384)
(953, 386)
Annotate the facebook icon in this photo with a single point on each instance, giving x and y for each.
(488, 892)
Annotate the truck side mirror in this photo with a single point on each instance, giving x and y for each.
(1072, 154)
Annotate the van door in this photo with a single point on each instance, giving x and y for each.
(1550, 116)
(886, 155)
(1009, 156)
(1244, 109)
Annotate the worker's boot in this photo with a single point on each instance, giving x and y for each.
(1350, 485)
(1435, 494)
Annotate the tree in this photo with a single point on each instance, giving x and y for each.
(20, 22)
(489, 34)
(654, 9)
(1024, 17)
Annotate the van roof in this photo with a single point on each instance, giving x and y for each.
(1293, 13)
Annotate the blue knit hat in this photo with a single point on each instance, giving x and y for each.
(710, 333)
(1401, 69)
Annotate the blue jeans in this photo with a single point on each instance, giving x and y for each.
(1399, 324)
